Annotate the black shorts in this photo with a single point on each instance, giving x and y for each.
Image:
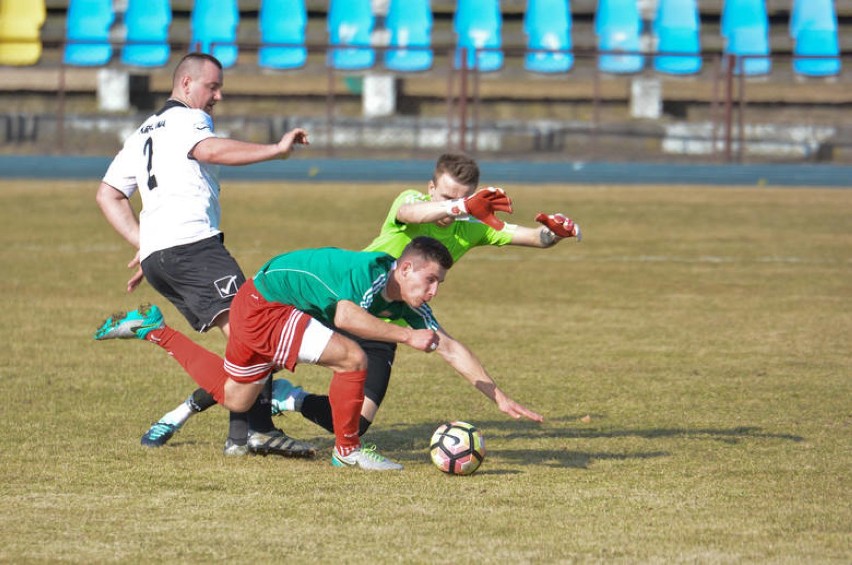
(199, 278)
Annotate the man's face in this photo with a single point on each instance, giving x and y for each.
(204, 90)
(419, 280)
(445, 187)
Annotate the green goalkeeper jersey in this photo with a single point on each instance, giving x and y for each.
(315, 280)
(460, 236)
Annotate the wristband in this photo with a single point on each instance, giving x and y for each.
(455, 208)
(509, 228)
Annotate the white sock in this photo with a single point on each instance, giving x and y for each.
(179, 415)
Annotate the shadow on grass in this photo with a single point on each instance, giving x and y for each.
(408, 442)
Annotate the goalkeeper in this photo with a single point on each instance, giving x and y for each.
(454, 213)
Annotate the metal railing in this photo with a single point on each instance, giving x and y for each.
(466, 125)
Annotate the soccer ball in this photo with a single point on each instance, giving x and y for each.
(457, 448)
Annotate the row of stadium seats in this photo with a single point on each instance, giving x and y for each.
(476, 23)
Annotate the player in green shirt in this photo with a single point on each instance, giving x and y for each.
(444, 214)
(294, 311)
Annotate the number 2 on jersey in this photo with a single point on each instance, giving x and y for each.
(148, 150)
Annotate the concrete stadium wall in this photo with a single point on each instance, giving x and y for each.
(494, 172)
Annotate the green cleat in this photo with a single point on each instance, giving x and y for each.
(366, 457)
(134, 324)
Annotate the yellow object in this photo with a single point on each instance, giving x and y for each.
(20, 31)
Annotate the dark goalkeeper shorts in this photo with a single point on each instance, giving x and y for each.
(199, 278)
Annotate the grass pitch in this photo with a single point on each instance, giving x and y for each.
(691, 356)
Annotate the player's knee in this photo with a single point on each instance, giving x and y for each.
(356, 359)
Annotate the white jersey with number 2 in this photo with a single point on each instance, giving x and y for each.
(180, 196)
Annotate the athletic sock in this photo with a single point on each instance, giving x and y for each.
(206, 368)
(200, 400)
(317, 409)
(260, 413)
(179, 415)
(346, 394)
(363, 426)
(238, 428)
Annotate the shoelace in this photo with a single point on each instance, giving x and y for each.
(159, 430)
(370, 450)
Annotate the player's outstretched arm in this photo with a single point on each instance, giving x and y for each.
(223, 151)
(353, 319)
(481, 205)
(554, 228)
(462, 359)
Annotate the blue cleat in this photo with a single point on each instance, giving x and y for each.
(134, 324)
(159, 434)
(286, 397)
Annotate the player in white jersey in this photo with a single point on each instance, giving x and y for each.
(172, 160)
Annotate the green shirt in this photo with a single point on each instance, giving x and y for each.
(315, 280)
(460, 236)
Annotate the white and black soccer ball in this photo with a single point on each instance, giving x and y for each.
(457, 448)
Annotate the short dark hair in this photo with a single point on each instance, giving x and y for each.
(461, 167)
(430, 249)
(192, 60)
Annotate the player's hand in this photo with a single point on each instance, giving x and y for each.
(483, 204)
(516, 411)
(423, 340)
(138, 276)
(296, 136)
(560, 224)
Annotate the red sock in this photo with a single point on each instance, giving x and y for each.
(205, 368)
(346, 394)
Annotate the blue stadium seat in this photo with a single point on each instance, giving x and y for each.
(618, 27)
(21, 20)
(479, 24)
(813, 27)
(745, 28)
(214, 29)
(547, 24)
(147, 42)
(87, 26)
(410, 25)
(282, 22)
(677, 28)
(350, 26)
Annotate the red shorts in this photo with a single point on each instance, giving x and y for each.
(264, 335)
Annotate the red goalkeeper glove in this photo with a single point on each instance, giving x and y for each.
(482, 205)
(560, 225)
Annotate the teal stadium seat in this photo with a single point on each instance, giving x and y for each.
(87, 25)
(618, 27)
(350, 26)
(677, 27)
(214, 29)
(479, 24)
(745, 28)
(410, 25)
(147, 42)
(813, 27)
(547, 24)
(282, 34)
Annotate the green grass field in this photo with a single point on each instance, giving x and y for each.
(692, 359)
